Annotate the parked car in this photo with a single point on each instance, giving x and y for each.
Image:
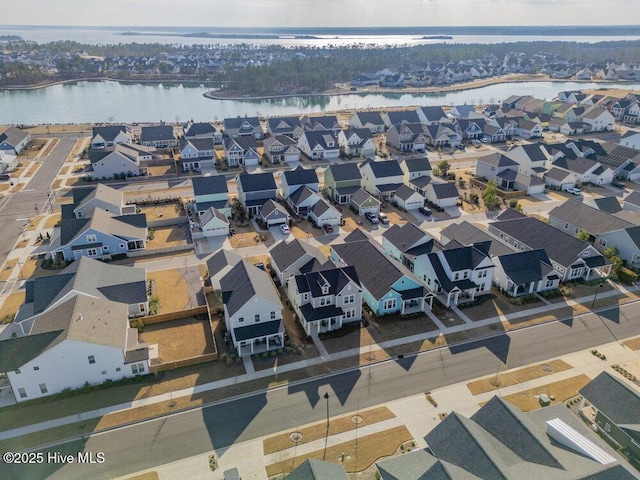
(327, 228)
(459, 146)
(425, 211)
(5, 176)
(373, 219)
(476, 143)
(574, 191)
(618, 184)
(382, 217)
(485, 139)
(284, 228)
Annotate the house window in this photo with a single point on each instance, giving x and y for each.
(602, 241)
(36, 368)
(22, 392)
(92, 359)
(117, 369)
(241, 319)
(389, 304)
(549, 284)
(92, 252)
(575, 231)
(515, 244)
(456, 276)
(482, 273)
(273, 315)
(325, 289)
(305, 296)
(91, 238)
(257, 317)
(137, 368)
(566, 226)
(480, 288)
(348, 299)
(324, 301)
(104, 372)
(465, 275)
(43, 388)
(142, 307)
(350, 313)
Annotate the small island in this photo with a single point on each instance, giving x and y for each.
(437, 37)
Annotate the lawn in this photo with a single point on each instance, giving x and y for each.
(31, 269)
(160, 170)
(633, 344)
(337, 426)
(167, 237)
(171, 289)
(11, 305)
(354, 456)
(517, 376)
(496, 304)
(52, 221)
(158, 212)
(248, 239)
(562, 390)
(179, 339)
(7, 268)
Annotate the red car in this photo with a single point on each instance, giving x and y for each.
(327, 228)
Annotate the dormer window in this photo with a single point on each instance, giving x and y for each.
(325, 289)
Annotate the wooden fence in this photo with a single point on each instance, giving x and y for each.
(156, 251)
(508, 194)
(168, 317)
(208, 357)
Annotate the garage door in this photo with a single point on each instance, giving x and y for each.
(276, 221)
(364, 210)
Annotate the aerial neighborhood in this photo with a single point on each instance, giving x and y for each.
(295, 231)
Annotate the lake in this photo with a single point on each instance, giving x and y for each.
(97, 102)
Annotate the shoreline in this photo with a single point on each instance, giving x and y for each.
(511, 78)
(103, 79)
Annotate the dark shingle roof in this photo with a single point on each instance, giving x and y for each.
(445, 190)
(285, 254)
(257, 329)
(612, 397)
(587, 218)
(158, 132)
(312, 469)
(256, 182)
(209, 185)
(301, 176)
(417, 164)
(336, 278)
(406, 236)
(345, 171)
(108, 133)
(373, 118)
(242, 283)
(608, 204)
(527, 266)
(385, 168)
(498, 160)
(403, 116)
(467, 234)
(199, 128)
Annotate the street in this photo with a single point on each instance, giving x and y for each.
(198, 431)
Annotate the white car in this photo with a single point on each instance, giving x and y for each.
(574, 191)
(285, 229)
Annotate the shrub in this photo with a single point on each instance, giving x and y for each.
(627, 276)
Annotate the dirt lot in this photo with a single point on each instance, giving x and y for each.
(7, 268)
(562, 390)
(171, 288)
(179, 339)
(162, 212)
(168, 237)
(11, 305)
(633, 344)
(160, 170)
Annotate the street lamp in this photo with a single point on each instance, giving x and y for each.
(595, 294)
(326, 397)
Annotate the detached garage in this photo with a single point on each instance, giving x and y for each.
(362, 202)
(408, 199)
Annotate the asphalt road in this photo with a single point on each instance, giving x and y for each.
(17, 209)
(161, 441)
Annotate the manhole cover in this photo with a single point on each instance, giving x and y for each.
(295, 437)
(547, 368)
(357, 419)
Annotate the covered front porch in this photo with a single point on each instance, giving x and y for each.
(258, 338)
(321, 320)
(415, 300)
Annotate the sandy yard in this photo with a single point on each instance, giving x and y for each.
(179, 339)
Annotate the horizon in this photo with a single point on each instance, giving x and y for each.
(331, 13)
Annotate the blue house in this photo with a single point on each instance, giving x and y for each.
(387, 286)
(210, 192)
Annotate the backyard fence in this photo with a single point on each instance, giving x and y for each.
(156, 251)
(168, 317)
(208, 357)
(478, 183)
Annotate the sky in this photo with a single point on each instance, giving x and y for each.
(320, 13)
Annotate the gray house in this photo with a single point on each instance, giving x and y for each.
(525, 273)
(254, 189)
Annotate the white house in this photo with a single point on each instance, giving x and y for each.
(319, 144)
(213, 223)
(323, 213)
(442, 194)
(357, 142)
(599, 120)
(326, 300)
(293, 258)
(407, 198)
(381, 179)
(108, 136)
(631, 139)
(525, 273)
(197, 153)
(252, 309)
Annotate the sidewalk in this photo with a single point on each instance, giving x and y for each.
(269, 372)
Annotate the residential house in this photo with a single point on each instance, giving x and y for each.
(100, 236)
(16, 138)
(254, 189)
(321, 123)
(197, 153)
(408, 137)
(272, 214)
(357, 142)
(252, 309)
(219, 264)
(387, 286)
(432, 115)
(413, 168)
(295, 258)
(627, 110)
(606, 204)
(531, 159)
(371, 120)
(123, 160)
(381, 179)
(442, 136)
(201, 130)
(570, 257)
(241, 150)
(281, 148)
(407, 198)
(493, 111)
(441, 193)
(323, 213)
(158, 136)
(470, 128)
(100, 196)
(501, 442)
(632, 201)
(399, 117)
(504, 171)
(410, 245)
(631, 139)
(341, 180)
(464, 112)
(465, 233)
(243, 127)
(213, 223)
(289, 126)
(8, 158)
(211, 192)
(319, 144)
(74, 328)
(624, 161)
(313, 469)
(362, 202)
(326, 300)
(528, 130)
(108, 136)
(525, 273)
(292, 180)
(598, 120)
(616, 406)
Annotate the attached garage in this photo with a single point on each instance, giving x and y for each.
(408, 199)
(362, 202)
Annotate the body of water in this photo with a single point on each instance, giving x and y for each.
(96, 102)
(344, 37)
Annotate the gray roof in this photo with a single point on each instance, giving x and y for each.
(283, 124)
(197, 143)
(385, 168)
(560, 247)
(105, 193)
(526, 266)
(616, 400)
(236, 123)
(335, 278)
(407, 236)
(589, 219)
(607, 204)
(468, 234)
(466, 257)
(301, 176)
(271, 206)
(258, 330)
(199, 128)
(256, 182)
(211, 213)
(209, 185)
(556, 174)
(633, 198)
(433, 114)
(312, 469)
(108, 133)
(158, 132)
(498, 160)
(360, 196)
(345, 171)
(403, 116)
(417, 164)
(578, 165)
(123, 226)
(13, 136)
(420, 465)
(321, 137)
(302, 194)
(243, 282)
(285, 254)
(445, 189)
(373, 118)
(356, 235)
(222, 259)
(404, 192)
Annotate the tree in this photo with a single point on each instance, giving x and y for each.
(443, 168)
(582, 235)
(490, 195)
